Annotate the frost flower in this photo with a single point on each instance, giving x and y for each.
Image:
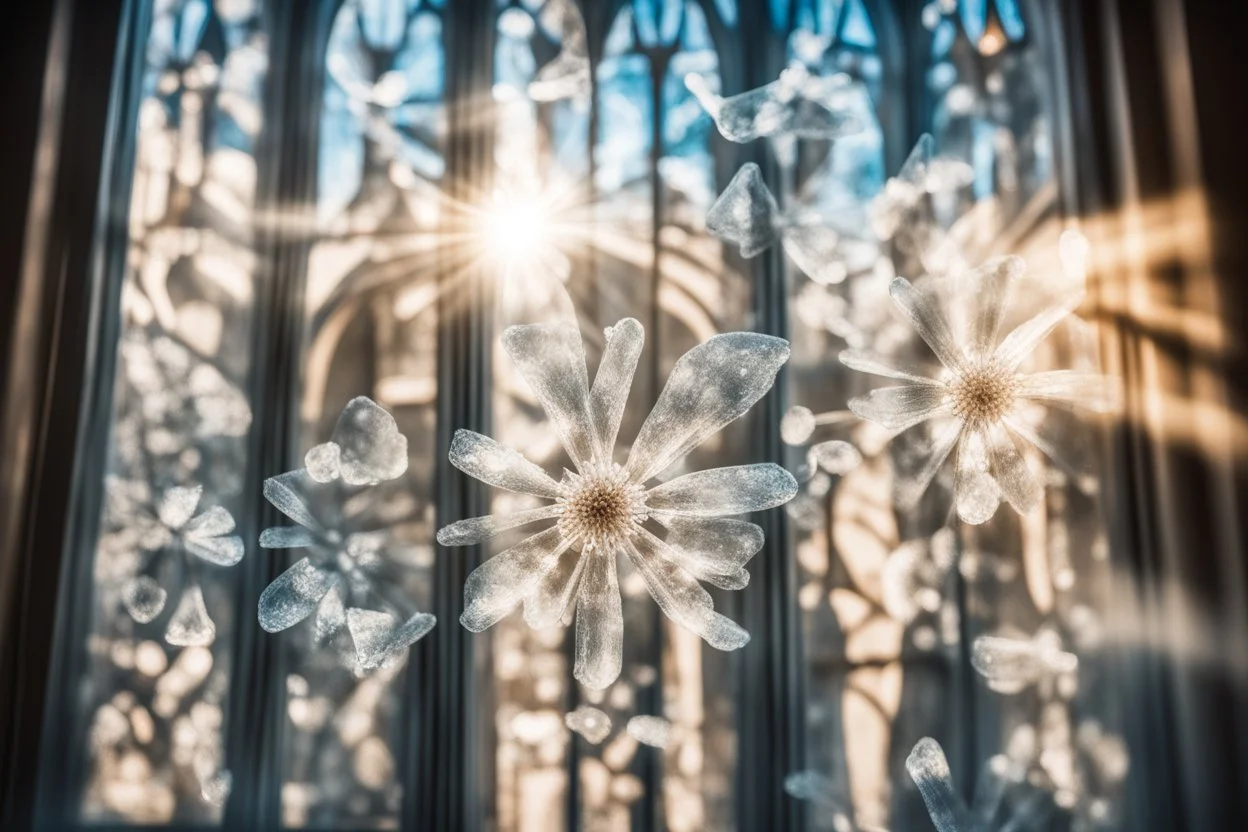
(603, 509)
(980, 393)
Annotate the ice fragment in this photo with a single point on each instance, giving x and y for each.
(650, 730)
(590, 723)
(144, 598)
(190, 624)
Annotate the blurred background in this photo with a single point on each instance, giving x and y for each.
(224, 219)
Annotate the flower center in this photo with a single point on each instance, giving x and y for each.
(602, 507)
(984, 394)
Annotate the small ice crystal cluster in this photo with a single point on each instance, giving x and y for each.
(346, 564)
(976, 401)
(176, 525)
(604, 510)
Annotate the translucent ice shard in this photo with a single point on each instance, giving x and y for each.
(378, 635)
(796, 104)
(324, 462)
(191, 624)
(1012, 664)
(371, 447)
(293, 595)
(589, 722)
(650, 730)
(144, 598)
(930, 771)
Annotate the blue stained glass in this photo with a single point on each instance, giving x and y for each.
(983, 157)
(190, 25)
(974, 18)
(620, 38)
(1011, 19)
(421, 60)
(658, 21)
(942, 39)
(856, 28)
(383, 22)
(626, 110)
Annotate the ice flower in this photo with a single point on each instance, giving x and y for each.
(175, 525)
(978, 398)
(346, 571)
(604, 509)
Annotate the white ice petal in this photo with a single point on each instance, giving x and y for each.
(293, 595)
(1018, 344)
(910, 490)
(371, 447)
(991, 286)
(719, 546)
(720, 491)
(144, 598)
(370, 633)
(331, 615)
(865, 362)
(745, 212)
(551, 358)
(191, 624)
(930, 771)
(836, 456)
(710, 386)
(481, 529)
(1011, 664)
(680, 596)
(1014, 479)
(797, 425)
(497, 586)
(1088, 391)
(614, 379)
(497, 465)
(285, 492)
(590, 723)
(551, 599)
(898, 408)
(736, 580)
(599, 622)
(650, 730)
(324, 462)
(975, 490)
(214, 522)
(286, 537)
(223, 551)
(928, 321)
(178, 504)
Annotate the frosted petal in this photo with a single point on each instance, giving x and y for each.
(552, 360)
(928, 321)
(736, 580)
(991, 286)
(1009, 469)
(719, 491)
(898, 408)
(717, 546)
(324, 462)
(286, 537)
(930, 771)
(178, 504)
(223, 551)
(1090, 391)
(975, 491)
(285, 492)
(552, 597)
(497, 465)
(293, 595)
(814, 249)
(190, 624)
(331, 615)
(590, 723)
(599, 622)
(481, 529)
(910, 490)
(797, 425)
(371, 448)
(1010, 664)
(836, 456)
(680, 596)
(1018, 344)
(865, 362)
(710, 386)
(650, 730)
(144, 598)
(214, 522)
(745, 212)
(614, 379)
(378, 635)
(497, 586)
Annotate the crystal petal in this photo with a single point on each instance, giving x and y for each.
(497, 586)
(614, 379)
(720, 491)
(928, 321)
(1018, 344)
(930, 771)
(599, 622)
(551, 599)
(293, 595)
(898, 408)
(497, 465)
(191, 625)
(480, 529)
(551, 358)
(371, 449)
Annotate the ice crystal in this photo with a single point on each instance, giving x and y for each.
(797, 104)
(746, 213)
(1012, 664)
(650, 730)
(603, 509)
(977, 401)
(988, 813)
(589, 722)
(333, 500)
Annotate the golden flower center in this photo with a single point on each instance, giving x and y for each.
(601, 507)
(984, 394)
